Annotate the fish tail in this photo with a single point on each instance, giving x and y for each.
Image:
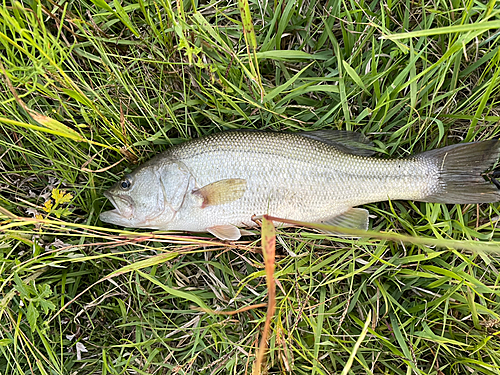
(462, 176)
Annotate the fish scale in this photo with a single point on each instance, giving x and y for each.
(224, 180)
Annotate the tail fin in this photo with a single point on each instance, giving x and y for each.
(461, 168)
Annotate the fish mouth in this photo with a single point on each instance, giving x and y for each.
(123, 209)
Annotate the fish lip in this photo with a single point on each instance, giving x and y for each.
(111, 216)
(110, 197)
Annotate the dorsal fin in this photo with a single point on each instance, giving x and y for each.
(353, 143)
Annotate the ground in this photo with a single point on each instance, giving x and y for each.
(90, 89)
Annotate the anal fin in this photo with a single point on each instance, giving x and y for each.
(354, 218)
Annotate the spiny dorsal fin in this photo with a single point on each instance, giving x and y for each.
(222, 191)
(353, 143)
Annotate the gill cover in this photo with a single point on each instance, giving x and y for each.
(175, 180)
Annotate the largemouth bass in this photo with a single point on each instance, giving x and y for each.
(225, 181)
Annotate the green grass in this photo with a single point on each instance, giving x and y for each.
(103, 86)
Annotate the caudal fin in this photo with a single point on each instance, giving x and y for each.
(461, 169)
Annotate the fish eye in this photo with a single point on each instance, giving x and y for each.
(125, 184)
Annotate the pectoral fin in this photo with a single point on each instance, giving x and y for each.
(354, 218)
(225, 232)
(223, 191)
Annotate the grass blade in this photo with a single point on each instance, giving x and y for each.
(357, 345)
(268, 251)
(479, 27)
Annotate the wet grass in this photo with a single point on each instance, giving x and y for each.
(90, 89)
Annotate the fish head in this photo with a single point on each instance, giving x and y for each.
(138, 200)
(149, 197)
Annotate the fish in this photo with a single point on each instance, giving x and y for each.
(225, 182)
